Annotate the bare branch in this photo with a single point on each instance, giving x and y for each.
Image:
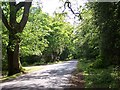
(71, 10)
(68, 3)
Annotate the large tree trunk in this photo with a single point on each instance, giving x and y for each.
(14, 65)
(12, 25)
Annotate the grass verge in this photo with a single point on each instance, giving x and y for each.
(98, 78)
(26, 69)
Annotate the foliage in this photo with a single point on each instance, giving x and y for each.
(106, 18)
(59, 39)
(33, 41)
(42, 36)
(4, 46)
(87, 37)
(97, 45)
(97, 37)
(97, 78)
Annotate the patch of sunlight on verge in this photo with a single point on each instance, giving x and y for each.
(27, 70)
(32, 68)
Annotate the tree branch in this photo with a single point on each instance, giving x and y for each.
(71, 10)
(12, 13)
(19, 5)
(68, 3)
(25, 15)
(4, 20)
(12, 3)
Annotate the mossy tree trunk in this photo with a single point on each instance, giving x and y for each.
(14, 65)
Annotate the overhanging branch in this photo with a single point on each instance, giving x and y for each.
(68, 3)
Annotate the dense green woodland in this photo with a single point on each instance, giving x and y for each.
(95, 42)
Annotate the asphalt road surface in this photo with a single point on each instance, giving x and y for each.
(55, 76)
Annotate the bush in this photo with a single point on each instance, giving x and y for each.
(25, 64)
(98, 64)
(96, 77)
(30, 60)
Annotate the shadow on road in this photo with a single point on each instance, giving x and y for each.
(54, 77)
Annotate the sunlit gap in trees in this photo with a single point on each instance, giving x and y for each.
(57, 6)
(72, 10)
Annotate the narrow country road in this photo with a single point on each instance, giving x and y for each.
(51, 76)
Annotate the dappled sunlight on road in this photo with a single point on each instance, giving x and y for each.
(52, 76)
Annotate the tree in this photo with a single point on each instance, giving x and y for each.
(14, 29)
(106, 17)
(37, 27)
(87, 36)
(58, 39)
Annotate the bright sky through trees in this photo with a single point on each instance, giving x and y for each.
(50, 6)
